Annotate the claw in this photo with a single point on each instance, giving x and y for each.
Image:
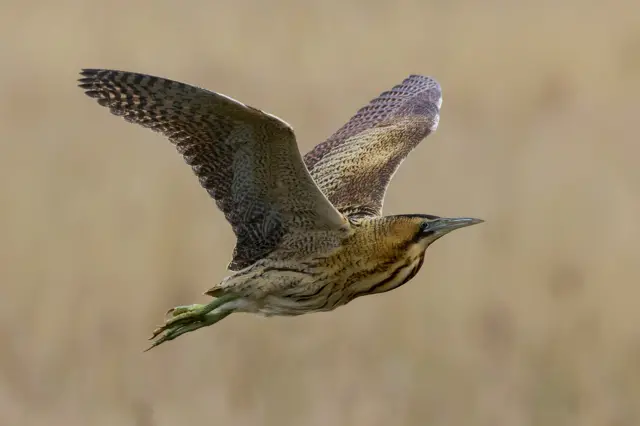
(182, 309)
(182, 316)
(153, 345)
(179, 314)
(169, 335)
(172, 324)
(185, 319)
(157, 331)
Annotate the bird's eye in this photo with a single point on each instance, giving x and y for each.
(425, 230)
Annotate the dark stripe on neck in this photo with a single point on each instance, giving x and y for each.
(379, 287)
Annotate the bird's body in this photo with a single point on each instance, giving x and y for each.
(374, 256)
(310, 232)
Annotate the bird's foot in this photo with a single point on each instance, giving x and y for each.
(178, 310)
(184, 319)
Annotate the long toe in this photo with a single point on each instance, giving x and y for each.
(178, 310)
(169, 334)
(182, 315)
(186, 317)
(172, 332)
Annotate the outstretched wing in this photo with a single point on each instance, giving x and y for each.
(246, 159)
(355, 165)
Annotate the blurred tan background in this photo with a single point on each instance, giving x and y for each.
(528, 319)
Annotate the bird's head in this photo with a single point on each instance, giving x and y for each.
(417, 232)
(430, 228)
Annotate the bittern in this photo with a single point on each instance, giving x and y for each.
(310, 235)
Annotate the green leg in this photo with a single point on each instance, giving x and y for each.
(189, 318)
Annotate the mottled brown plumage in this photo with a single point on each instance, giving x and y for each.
(247, 160)
(310, 235)
(355, 165)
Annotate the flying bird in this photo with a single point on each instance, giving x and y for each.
(310, 234)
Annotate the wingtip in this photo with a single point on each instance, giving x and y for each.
(435, 90)
(88, 76)
(89, 71)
